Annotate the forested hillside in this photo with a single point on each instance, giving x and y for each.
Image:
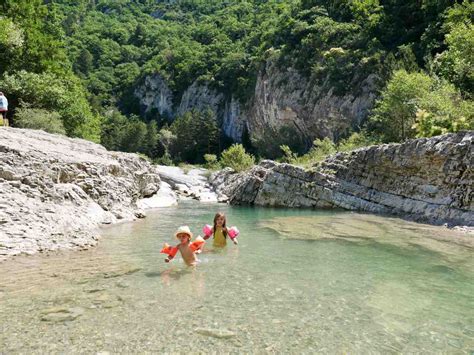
(74, 67)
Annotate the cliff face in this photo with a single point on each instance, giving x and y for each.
(285, 98)
(282, 98)
(56, 191)
(430, 180)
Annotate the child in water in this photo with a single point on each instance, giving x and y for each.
(187, 249)
(220, 231)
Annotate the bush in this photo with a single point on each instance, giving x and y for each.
(288, 156)
(237, 158)
(268, 144)
(321, 149)
(35, 118)
(211, 161)
(165, 159)
(356, 140)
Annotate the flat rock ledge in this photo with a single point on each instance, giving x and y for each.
(55, 191)
(428, 180)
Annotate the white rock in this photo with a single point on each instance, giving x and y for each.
(164, 198)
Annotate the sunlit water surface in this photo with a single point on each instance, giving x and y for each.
(298, 282)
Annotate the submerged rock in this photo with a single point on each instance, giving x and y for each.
(216, 333)
(60, 314)
(428, 179)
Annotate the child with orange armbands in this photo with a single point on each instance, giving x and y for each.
(187, 248)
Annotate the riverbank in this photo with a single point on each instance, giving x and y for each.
(427, 180)
(56, 191)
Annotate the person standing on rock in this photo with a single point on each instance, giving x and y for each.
(4, 108)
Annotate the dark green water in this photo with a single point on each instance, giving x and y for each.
(298, 282)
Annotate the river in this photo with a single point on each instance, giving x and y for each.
(300, 281)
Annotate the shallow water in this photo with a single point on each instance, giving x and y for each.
(298, 282)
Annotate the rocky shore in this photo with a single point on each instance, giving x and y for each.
(56, 191)
(428, 180)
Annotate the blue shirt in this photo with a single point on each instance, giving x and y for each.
(3, 103)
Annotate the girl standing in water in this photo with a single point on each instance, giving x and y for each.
(220, 231)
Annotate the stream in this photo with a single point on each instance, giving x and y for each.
(300, 281)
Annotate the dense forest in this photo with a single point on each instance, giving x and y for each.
(72, 67)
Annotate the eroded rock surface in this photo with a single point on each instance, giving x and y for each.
(282, 98)
(56, 191)
(430, 180)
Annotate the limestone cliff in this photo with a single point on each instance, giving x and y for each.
(56, 191)
(429, 179)
(281, 98)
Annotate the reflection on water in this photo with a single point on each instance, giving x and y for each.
(299, 281)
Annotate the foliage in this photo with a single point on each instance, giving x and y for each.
(237, 158)
(356, 140)
(416, 105)
(288, 155)
(53, 93)
(84, 59)
(394, 114)
(36, 118)
(130, 135)
(321, 149)
(457, 63)
(269, 142)
(197, 134)
(211, 161)
(443, 110)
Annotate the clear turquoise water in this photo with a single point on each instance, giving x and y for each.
(298, 282)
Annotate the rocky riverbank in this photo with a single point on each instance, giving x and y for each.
(56, 191)
(429, 180)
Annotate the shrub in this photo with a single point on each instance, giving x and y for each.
(164, 160)
(268, 143)
(320, 150)
(356, 140)
(288, 156)
(36, 118)
(237, 158)
(211, 161)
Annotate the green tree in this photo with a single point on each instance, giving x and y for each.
(394, 114)
(134, 138)
(84, 63)
(152, 139)
(457, 63)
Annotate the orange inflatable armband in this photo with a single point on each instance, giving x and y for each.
(197, 244)
(171, 251)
